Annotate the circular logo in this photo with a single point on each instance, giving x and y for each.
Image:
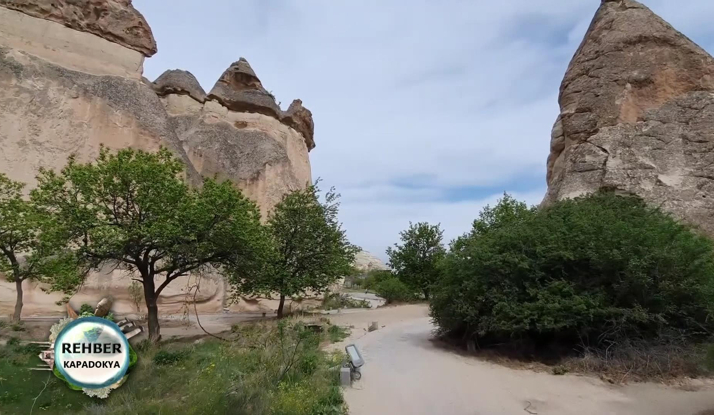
(92, 353)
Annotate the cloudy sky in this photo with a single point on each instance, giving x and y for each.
(424, 110)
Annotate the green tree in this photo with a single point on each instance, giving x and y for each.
(133, 210)
(26, 245)
(416, 260)
(393, 290)
(311, 250)
(374, 277)
(18, 237)
(595, 269)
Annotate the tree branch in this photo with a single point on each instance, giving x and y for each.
(163, 285)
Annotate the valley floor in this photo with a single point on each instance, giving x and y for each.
(406, 372)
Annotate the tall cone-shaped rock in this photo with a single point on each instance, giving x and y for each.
(239, 89)
(637, 116)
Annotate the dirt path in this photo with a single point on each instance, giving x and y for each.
(406, 373)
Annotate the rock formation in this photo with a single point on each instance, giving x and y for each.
(637, 116)
(114, 20)
(178, 82)
(366, 261)
(240, 90)
(238, 132)
(71, 81)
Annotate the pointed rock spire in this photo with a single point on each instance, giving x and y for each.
(300, 118)
(239, 89)
(637, 115)
(630, 60)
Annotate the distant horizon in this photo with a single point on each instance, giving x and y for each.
(423, 112)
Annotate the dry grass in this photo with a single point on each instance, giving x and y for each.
(629, 362)
(670, 363)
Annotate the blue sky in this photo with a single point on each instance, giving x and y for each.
(424, 110)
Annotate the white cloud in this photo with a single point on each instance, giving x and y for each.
(443, 94)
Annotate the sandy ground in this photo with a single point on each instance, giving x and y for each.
(407, 373)
(182, 325)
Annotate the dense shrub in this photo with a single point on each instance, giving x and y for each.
(86, 309)
(393, 290)
(589, 270)
(373, 278)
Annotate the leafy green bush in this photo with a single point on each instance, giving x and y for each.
(373, 278)
(589, 270)
(393, 290)
(86, 309)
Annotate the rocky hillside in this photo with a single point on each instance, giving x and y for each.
(637, 115)
(365, 261)
(71, 81)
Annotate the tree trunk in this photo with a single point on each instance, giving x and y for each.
(18, 303)
(281, 306)
(152, 310)
(426, 294)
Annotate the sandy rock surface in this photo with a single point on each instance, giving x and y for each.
(114, 20)
(637, 116)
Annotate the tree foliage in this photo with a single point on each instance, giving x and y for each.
(393, 290)
(374, 277)
(28, 247)
(591, 269)
(416, 260)
(310, 248)
(133, 210)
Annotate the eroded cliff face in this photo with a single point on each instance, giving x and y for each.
(637, 116)
(71, 81)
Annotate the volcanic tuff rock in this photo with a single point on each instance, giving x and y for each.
(239, 89)
(300, 118)
(114, 20)
(71, 81)
(240, 133)
(637, 116)
(177, 81)
(366, 261)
